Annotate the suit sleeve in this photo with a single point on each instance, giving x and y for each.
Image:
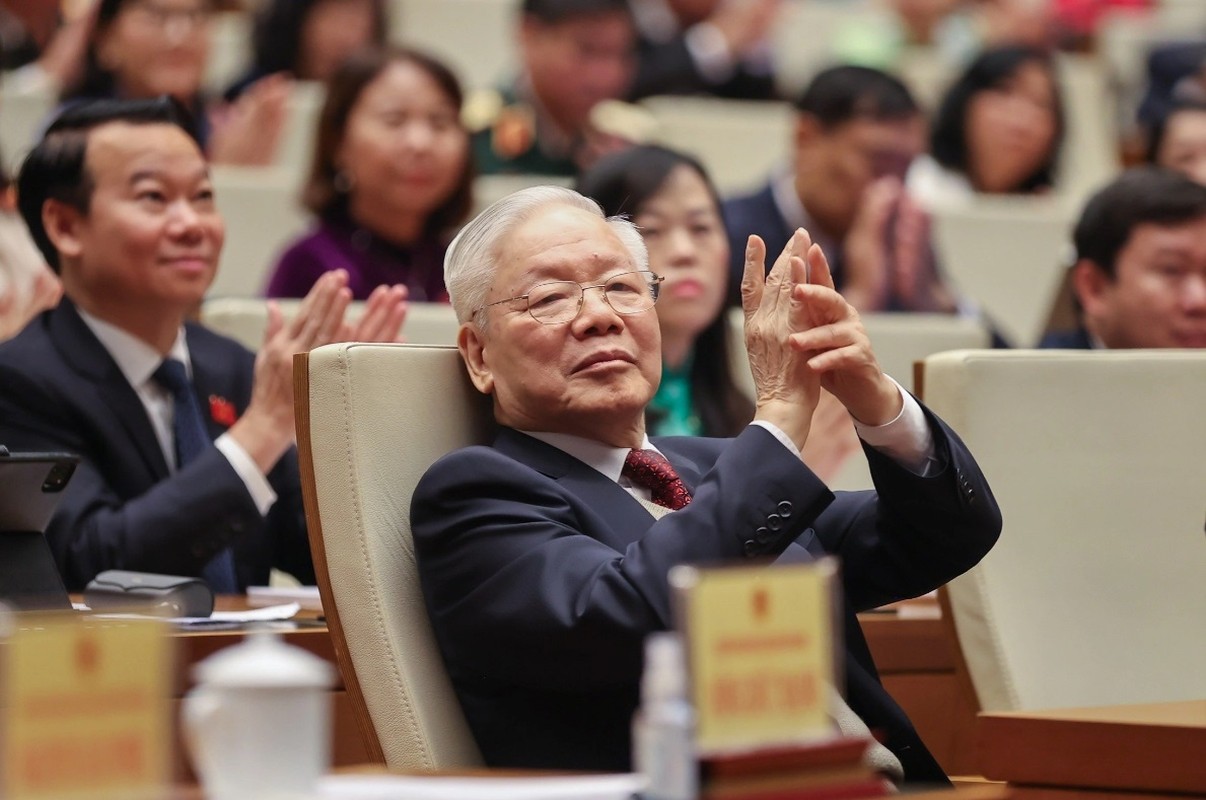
(174, 527)
(913, 534)
(514, 565)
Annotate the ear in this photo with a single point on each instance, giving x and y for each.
(1091, 283)
(807, 132)
(472, 344)
(62, 223)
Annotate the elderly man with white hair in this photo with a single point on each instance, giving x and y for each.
(544, 557)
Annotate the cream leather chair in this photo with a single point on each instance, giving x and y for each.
(474, 37)
(246, 318)
(371, 419)
(263, 215)
(1009, 256)
(1096, 592)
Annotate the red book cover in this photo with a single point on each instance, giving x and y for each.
(838, 751)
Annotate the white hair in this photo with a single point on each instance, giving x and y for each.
(472, 257)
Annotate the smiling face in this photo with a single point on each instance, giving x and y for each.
(591, 377)
(404, 148)
(683, 231)
(149, 242)
(1157, 296)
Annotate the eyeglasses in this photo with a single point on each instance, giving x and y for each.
(557, 302)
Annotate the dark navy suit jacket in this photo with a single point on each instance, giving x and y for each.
(1067, 340)
(542, 576)
(60, 390)
(668, 68)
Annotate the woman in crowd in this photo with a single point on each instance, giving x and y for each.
(1179, 140)
(669, 197)
(309, 39)
(146, 48)
(998, 130)
(391, 179)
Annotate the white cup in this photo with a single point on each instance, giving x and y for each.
(258, 724)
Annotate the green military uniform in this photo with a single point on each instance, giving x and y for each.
(506, 138)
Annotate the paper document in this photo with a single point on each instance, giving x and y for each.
(433, 787)
(305, 596)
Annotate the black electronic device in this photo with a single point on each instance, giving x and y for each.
(170, 595)
(31, 485)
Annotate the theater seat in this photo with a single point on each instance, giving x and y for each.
(371, 419)
(1096, 592)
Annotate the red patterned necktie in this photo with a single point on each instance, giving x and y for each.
(650, 470)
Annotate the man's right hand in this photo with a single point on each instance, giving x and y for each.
(266, 429)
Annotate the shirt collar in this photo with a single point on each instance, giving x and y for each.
(598, 456)
(136, 359)
(787, 202)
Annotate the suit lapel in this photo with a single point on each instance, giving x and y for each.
(210, 382)
(84, 354)
(620, 510)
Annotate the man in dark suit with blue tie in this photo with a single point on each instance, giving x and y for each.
(185, 437)
(544, 558)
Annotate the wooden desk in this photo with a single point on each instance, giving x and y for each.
(915, 654)
(1114, 753)
(308, 633)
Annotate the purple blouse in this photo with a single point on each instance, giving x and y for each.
(370, 262)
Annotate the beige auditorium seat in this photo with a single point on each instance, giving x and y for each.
(263, 216)
(1090, 156)
(1008, 255)
(371, 419)
(246, 318)
(230, 50)
(899, 341)
(22, 115)
(739, 142)
(476, 38)
(1096, 592)
(809, 36)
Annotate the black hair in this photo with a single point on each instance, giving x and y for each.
(1155, 139)
(554, 11)
(621, 184)
(55, 167)
(841, 94)
(990, 70)
(276, 40)
(1142, 195)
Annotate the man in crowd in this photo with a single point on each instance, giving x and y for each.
(714, 47)
(185, 438)
(857, 131)
(574, 55)
(544, 558)
(1140, 275)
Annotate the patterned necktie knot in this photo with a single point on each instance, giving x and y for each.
(650, 470)
(172, 375)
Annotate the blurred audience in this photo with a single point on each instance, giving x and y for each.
(27, 286)
(1140, 275)
(671, 200)
(574, 54)
(146, 48)
(857, 131)
(718, 47)
(998, 130)
(391, 179)
(1178, 141)
(1174, 72)
(309, 39)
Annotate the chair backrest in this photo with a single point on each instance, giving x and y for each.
(489, 188)
(263, 215)
(474, 37)
(371, 420)
(245, 319)
(739, 142)
(22, 116)
(1008, 255)
(1096, 592)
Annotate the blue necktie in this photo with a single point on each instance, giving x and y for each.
(188, 428)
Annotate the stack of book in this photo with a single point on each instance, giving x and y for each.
(831, 769)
